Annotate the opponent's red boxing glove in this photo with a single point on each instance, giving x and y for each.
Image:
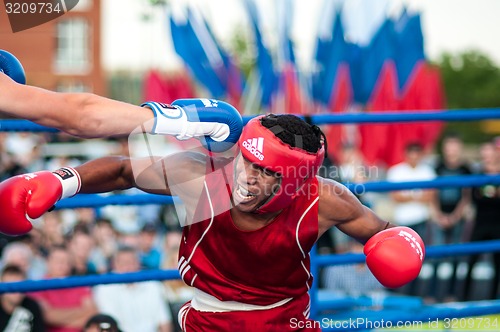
(32, 195)
(395, 256)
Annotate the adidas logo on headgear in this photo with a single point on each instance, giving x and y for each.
(255, 146)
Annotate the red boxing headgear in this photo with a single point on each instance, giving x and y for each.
(261, 146)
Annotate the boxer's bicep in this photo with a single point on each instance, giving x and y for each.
(339, 207)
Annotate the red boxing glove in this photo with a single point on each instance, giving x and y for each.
(32, 195)
(395, 256)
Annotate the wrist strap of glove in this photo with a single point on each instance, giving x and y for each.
(70, 181)
(169, 119)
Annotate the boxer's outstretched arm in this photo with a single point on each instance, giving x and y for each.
(156, 175)
(393, 254)
(79, 114)
(339, 207)
(33, 194)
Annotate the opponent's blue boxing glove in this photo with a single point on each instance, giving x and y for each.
(217, 124)
(12, 67)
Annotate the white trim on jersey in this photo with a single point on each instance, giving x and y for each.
(209, 225)
(298, 225)
(183, 263)
(307, 272)
(194, 278)
(307, 312)
(185, 271)
(207, 303)
(182, 315)
(298, 241)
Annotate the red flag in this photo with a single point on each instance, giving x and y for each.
(423, 91)
(154, 88)
(293, 97)
(234, 86)
(166, 89)
(341, 99)
(180, 86)
(375, 140)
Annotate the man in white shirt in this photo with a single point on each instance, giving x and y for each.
(412, 207)
(137, 306)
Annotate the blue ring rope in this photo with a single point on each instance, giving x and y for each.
(111, 278)
(91, 280)
(474, 114)
(94, 200)
(436, 251)
(407, 116)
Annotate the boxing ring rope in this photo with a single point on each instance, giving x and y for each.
(365, 320)
(473, 114)
(320, 260)
(95, 200)
(467, 309)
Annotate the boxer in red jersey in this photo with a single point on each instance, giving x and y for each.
(252, 218)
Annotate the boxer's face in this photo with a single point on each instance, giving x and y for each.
(253, 185)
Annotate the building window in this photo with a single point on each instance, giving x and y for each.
(72, 86)
(83, 5)
(72, 50)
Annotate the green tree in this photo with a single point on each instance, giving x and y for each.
(471, 80)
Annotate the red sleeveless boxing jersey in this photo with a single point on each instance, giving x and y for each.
(258, 267)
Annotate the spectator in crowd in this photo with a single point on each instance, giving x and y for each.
(20, 254)
(101, 323)
(18, 312)
(52, 231)
(22, 150)
(128, 239)
(123, 217)
(450, 207)
(486, 226)
(106, 241)
(412, 207)
(9, 166)
(81, 218)
(149, 255)
(65, 310)
(138, 306)
(451, 203)
(80, 246)
(351, 279)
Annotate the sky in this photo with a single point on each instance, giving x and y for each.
(130, 42)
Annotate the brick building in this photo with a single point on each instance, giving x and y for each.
(63, 54)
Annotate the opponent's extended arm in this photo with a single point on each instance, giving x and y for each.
(215, 122)
(79, 114)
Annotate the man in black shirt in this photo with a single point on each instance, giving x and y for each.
(450, 206)
(451, 202)
(486, 227)
(18, 313)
